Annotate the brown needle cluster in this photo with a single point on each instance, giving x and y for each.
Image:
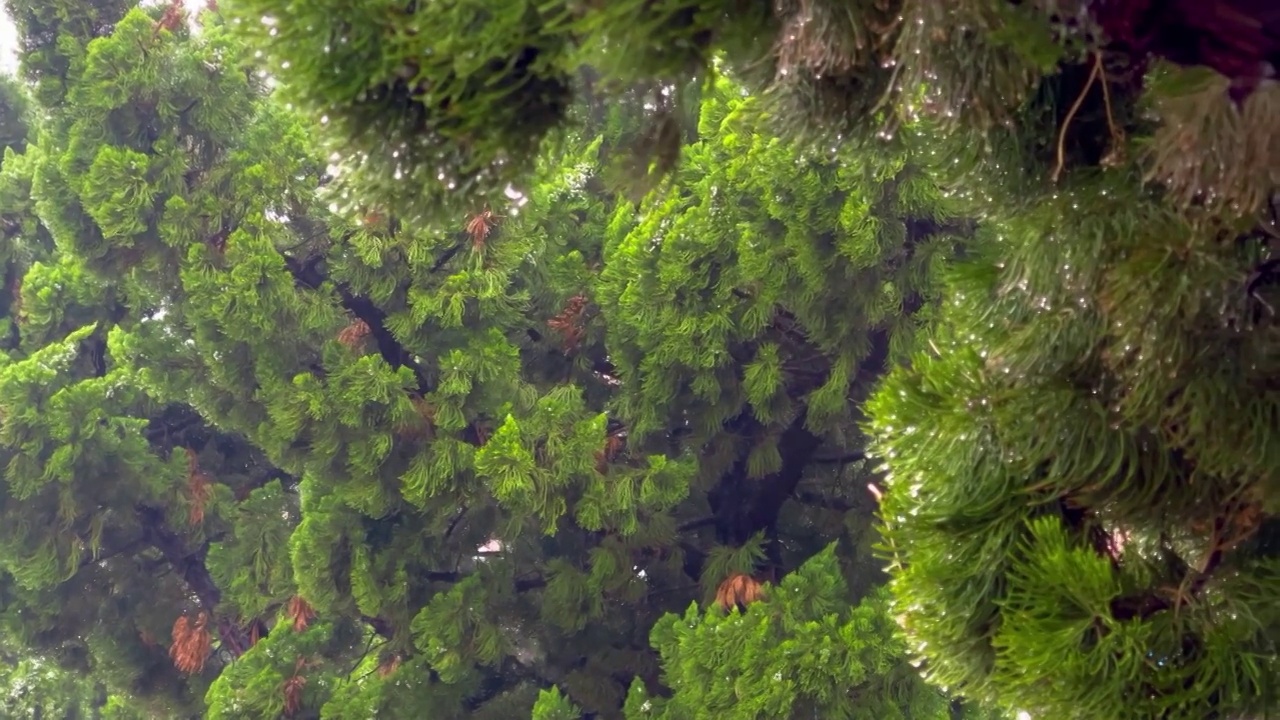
(738, 590)
(191, 643)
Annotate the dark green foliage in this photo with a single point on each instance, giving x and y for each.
(426, 124)
(46, 58)
(402, 71)
(15, 126)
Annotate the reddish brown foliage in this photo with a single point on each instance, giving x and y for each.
(174, 15)
(479, 227)
(198, 486)
(374, 219)
(388, 665)
(191, 643)
(293, 688)
(300, 613)
(738, 589)
(613, 446)
(1238, 38)
(570, 324)
(355, 333)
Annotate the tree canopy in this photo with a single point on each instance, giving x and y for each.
(561, 360)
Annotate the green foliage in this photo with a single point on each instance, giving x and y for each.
(313, 421)
(802, 651)
(15, 127)
(427, 124)
(411, 417)
(402, 71)
(441, 106)
(552, 705)
(257, 685)
(1082, 461)
(749, 259)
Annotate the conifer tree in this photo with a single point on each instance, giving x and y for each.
(443, 105)
(1081, 510)
(316, 392)
(112, 498)
(310, 422)
(1080, 457)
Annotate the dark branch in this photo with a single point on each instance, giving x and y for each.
(103, 557)
(309, 273)
(189, 564)
(697, 524)
(186, 562)
(744, 506)
(522, 585)
(840, 459)
(822, 501)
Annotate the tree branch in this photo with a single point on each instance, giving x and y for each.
(744, 506)
(822, 501)
(310, 275)
(840, 459)
(187, 563)
(696, 524)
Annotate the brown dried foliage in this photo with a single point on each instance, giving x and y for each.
(199, 487)
(293, 688)
(300, 613)
(738, 590)
(480, 225)
(570, 323)
(174, 15)
(388, 665)
(355, 334)
(613, 446)
(192, 642)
